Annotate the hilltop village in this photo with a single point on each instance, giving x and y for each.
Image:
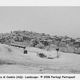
(41, 40)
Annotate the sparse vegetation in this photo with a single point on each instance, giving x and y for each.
(42, 55)
(37, 61)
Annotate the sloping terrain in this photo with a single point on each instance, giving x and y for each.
(13, 60)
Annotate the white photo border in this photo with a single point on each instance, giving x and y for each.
(39, 2)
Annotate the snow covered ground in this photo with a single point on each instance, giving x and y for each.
(13, 60)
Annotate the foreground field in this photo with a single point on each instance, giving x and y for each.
(13, 60)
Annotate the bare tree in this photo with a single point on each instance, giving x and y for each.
(57, 49)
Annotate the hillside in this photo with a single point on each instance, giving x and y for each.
(12, 60)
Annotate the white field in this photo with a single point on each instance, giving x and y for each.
(13, 60)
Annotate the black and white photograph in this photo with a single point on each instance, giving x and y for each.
(39, 40)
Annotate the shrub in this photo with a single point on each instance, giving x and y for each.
(42, 55)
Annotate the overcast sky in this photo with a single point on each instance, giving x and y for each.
(53, 20)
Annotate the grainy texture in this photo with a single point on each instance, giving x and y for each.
(17, 62)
